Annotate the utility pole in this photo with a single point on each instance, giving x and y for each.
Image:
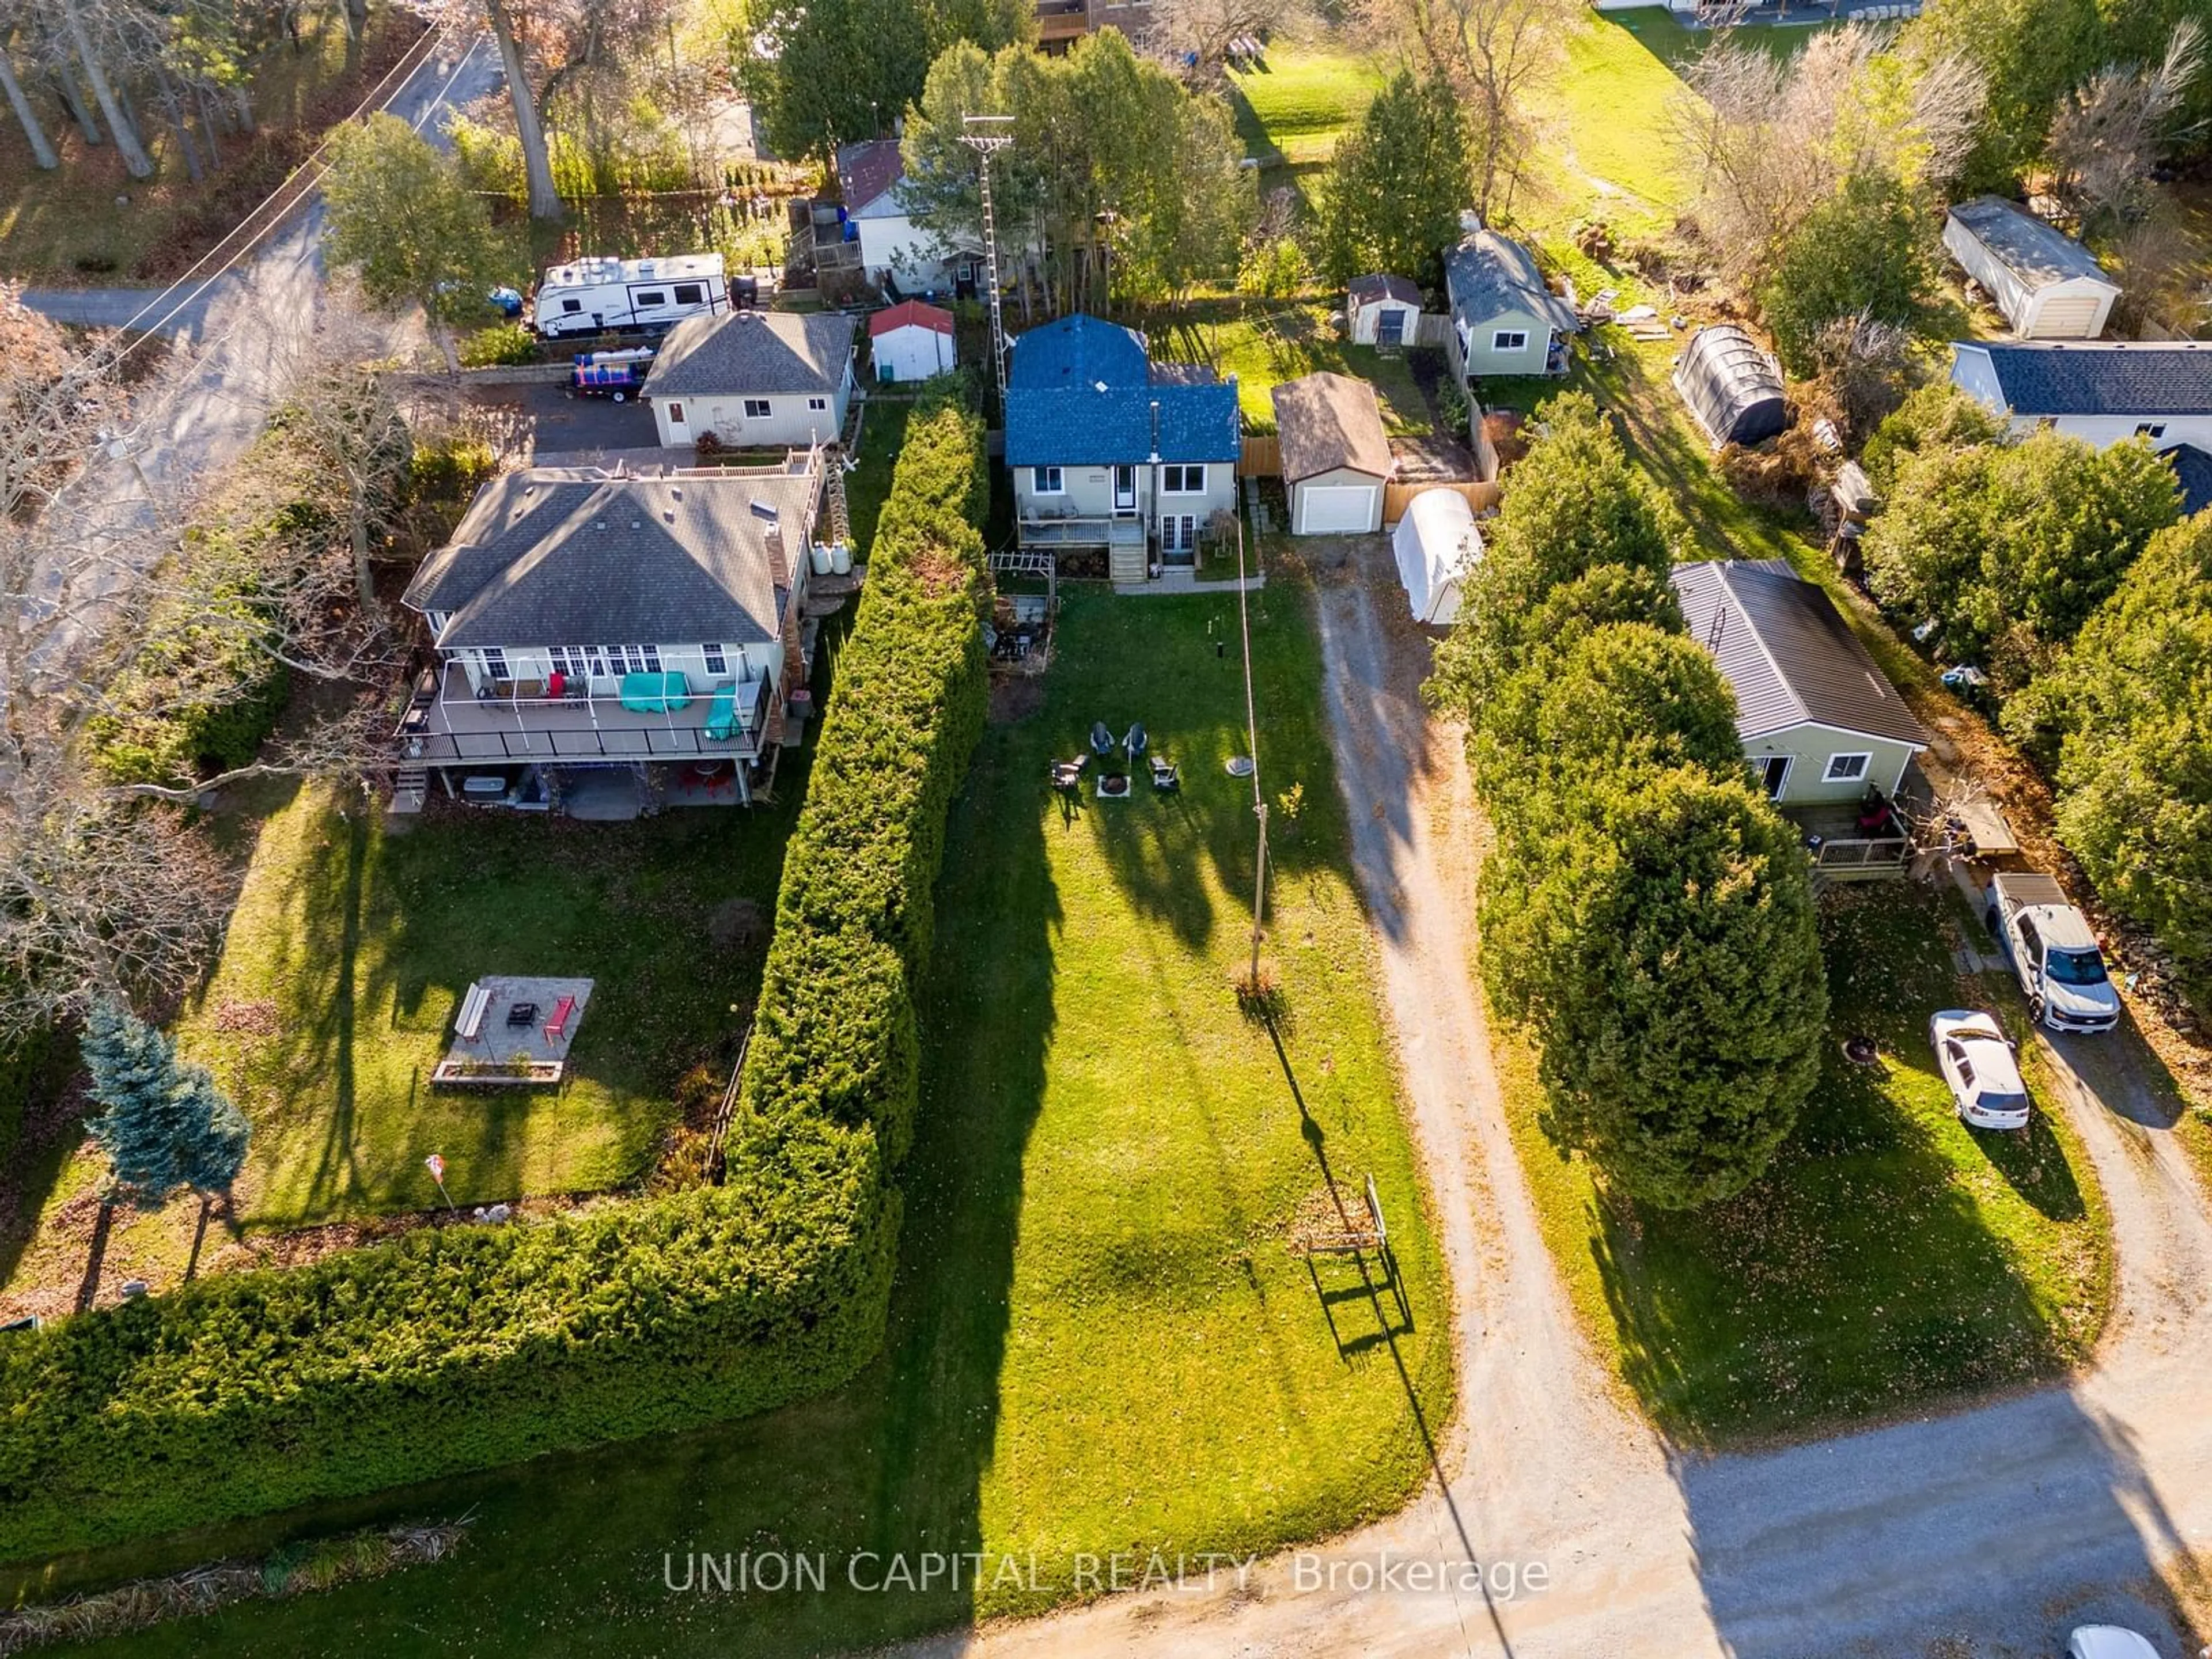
(986, 134)
(1259, 798)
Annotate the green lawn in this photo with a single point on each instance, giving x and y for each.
(358, 943)
(1890, 1260)
(1100, 1337)
(1263, 343)
(1291, 112)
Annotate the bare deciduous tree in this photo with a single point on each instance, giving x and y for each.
(2110, 132)
(1493, 52)
(1768, 138)
(1196, 36)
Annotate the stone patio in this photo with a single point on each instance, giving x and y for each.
(515, 1055)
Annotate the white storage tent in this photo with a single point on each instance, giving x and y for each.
(1436, 544)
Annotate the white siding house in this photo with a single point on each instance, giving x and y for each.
(754, 379)
(586, 620)
(910, 342)
(2103, 393)
(2047, 284)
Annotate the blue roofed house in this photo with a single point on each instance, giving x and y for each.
(1111, 451)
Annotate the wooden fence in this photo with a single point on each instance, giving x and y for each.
(1482, 497)
(1261, 456)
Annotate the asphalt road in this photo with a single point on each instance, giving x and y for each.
(1980, 1533)
(210, 401)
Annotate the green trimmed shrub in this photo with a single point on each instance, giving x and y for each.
(506, 343)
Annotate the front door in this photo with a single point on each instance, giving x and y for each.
(679, 428)
(1125, 490)
(1774, 774)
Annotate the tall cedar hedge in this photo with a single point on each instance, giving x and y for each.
(459, 1348)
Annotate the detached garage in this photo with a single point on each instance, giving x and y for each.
(1436, 544)
(2047, 284)
(1335, 457)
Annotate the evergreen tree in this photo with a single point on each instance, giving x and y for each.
(1663, 947)
(143, 1125)
(164, 1124)
(1866, 251)
(1397, 184)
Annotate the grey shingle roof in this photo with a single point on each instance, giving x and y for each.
(2032, 249)
(1488, 274)
(1366, 290)
(1326, 422)
(2090, 378)
(752, 354)
(2193, 467)
(1791, 658)
(576, 556)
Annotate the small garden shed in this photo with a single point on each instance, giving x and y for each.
(1733, 387)
(2047, 284)
(1436, 544)
(1382, 311)
(910, 342)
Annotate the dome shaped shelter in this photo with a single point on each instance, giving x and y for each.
(1733, 387)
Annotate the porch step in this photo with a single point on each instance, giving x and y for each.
(411, 789)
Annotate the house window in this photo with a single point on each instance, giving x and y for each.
(650, 654)
(2153, 430)
(1183, 481)
(757, 409)
(690, 294)
(1846, 769)
(557, 656)
(437, 621)
(1047, 481)
(817, 404)
(495, 662)
(717, 664)
(593, 659)
(1510, 339)
(1774, 774)
(653, 298)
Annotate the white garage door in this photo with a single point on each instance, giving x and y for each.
(2072, 318)
(1336, 509)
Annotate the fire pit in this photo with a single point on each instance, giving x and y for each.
(1860, 1050)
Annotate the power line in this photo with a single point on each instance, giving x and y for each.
(412, 60)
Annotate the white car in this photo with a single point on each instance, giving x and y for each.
(2107, 1642)
(1979, 1064)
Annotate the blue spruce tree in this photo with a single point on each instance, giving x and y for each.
(163, 1124)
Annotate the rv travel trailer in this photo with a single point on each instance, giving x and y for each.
(593, 296)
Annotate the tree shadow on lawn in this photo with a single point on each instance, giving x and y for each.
(891, 1466)
(1861, 1274)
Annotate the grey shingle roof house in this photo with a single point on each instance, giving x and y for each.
(753, 354)
(1780, 641)
(556, 557)
(1505, 320)
(2096, 379)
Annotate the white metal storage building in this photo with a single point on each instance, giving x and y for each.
(1436, 544)
(2047, 284)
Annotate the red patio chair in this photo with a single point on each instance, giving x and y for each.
(558, 1026)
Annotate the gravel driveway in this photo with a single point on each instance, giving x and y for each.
(1980, 1533)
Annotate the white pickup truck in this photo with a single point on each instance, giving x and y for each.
(2054, 954)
